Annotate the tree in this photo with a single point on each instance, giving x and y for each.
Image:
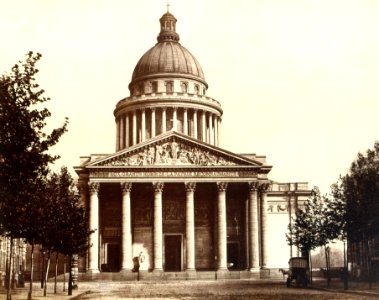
(70, 228)
(313, 227)
(359, 193)
(23, 147)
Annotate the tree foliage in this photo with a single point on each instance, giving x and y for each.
(359, 193)
(24, 146)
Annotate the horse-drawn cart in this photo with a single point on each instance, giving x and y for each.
(298, 271)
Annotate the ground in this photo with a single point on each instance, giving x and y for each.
(212, 289)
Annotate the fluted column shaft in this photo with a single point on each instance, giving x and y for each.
(143, 125)
(122, 132)
(175, 119)
(134, 129)
(158, 228)
(215, 124)
(264, 238)
(219, 132)
(253, 227)
(126, 228)
(221, 226)
(185, 121)
(164, 120)
(203, 127)
(190, 225)
(127, 130)
(153, 122)
(210, 131)
(195, 124)
(93, 254)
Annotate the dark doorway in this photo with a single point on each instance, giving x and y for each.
(233, 256)
(113, 258)
(173, 252)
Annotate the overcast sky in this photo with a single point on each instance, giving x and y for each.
(298, 80)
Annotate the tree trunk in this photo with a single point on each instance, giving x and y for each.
(345, 271)
(56, 273)
(9, 273)
(368, 255)
(327, 261)
(64, 274)
(70, 276)
(46, 274)
(310, 267)
(31, 273)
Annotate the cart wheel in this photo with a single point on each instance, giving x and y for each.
(288, 282)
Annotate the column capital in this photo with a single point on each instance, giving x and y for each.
(221, 186)
(126, 187)
(253, 186)
(190, 186)
(264, 186)
(158, 186)
(94, 187)
(152, 108)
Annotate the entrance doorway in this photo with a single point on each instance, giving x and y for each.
(173, 252)
(113, 257)
(233, 256)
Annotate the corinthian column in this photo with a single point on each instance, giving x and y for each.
(127, 130)
(93, 254)
(221, 226)
(262, 189)
(134, 129)
(203, 127)
(153, 122)
(190, 225)
(126, 228)
(157, 231)
(143, 125)
(195, 124)
(185, 121)
(164, 129)
(253, 227)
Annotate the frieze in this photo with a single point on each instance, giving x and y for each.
(164, 174)
(169, 153)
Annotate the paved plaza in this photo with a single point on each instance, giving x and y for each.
(212, 289)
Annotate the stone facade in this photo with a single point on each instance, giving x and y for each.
(169, 198)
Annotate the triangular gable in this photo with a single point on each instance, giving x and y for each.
(173, 148)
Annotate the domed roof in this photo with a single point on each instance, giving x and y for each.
(168, 55)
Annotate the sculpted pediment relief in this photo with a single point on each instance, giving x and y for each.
(172, 151)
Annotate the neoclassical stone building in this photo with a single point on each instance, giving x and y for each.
(169, 196)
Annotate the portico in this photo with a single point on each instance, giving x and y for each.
(177, 196)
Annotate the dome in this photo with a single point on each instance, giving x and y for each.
(168, 56)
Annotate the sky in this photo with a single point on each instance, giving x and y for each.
(298, 80)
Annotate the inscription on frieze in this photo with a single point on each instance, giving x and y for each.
(187, 174)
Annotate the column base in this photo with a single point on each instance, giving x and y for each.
(93, 271)
(126, 270)
(191, 273)
(254, 270)
(157, 270)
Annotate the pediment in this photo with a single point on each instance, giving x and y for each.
(173, 149)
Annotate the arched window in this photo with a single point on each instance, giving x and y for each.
(154, 87)
(184, 87)
(169, 87)
(197, 89)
